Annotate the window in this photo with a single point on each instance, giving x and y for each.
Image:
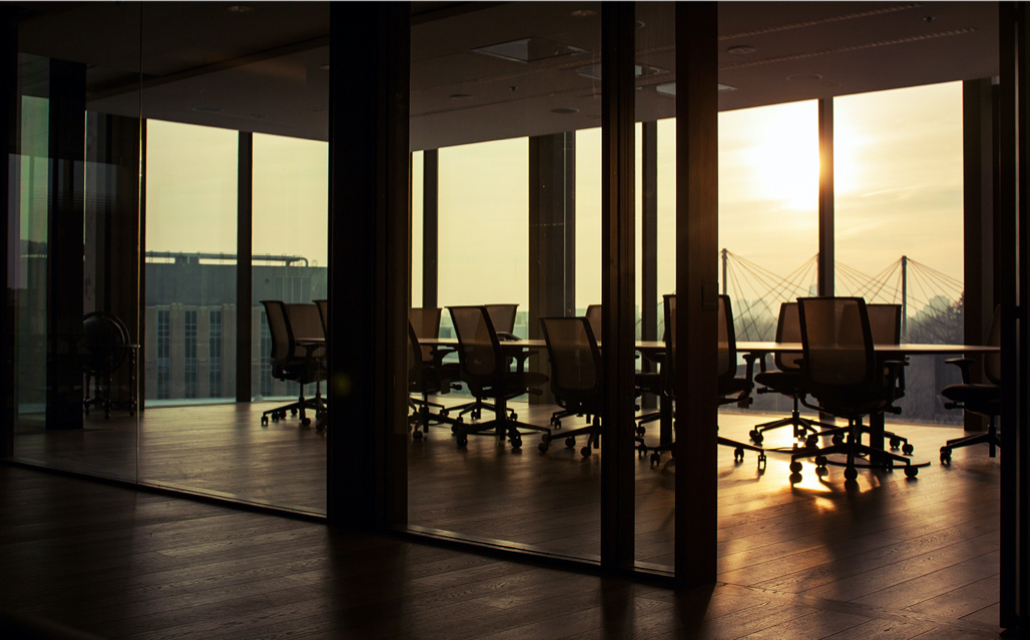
(164, 332)
(215, 354)
(190, 354)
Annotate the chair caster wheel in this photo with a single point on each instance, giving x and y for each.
(850, 473)
(795, 478)
(895, 443)
(416, 435)
(514, 416)
(293, 412)
(264, 421)
(812, 442)
(756, 437)
(306, 422)
(443, 413)
(641, 451)
(463, 441)
(516, 443)
(738, 455)
(907, 449)
(911, 472)
(820, 461)
(585, 451)
(556, 424)
(656, 458)
(795, 467)
(761, 462)
(837, 440)
(570, 442)
(641, 431)
(945, 455)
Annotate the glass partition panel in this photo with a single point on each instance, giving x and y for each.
(236, 144)
(504, 93)
(74, 215)
(899, 215)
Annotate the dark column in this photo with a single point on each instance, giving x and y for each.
(244, 272)
(368, 263)
(112, 215)
(430, 228)
(1011, 281)
(8, 137)
(697, 289)
(617, 282)
(826, 253)
(978, 219)
(649, 244)
(552, 235)
(64, 244)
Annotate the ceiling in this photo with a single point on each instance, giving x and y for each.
(263, 67)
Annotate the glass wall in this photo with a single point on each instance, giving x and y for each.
(518, 223)
(191, 182)
(74, 217)
(899, 216)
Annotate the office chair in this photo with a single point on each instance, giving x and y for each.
(577, 376)
(323, 316)
(786, 380)
(105, 346)
(731, 388)
(485, 369)
(840, 369)
(503, 318)
(300, 363)
(433, 376)
(885, 325)
(982, 398)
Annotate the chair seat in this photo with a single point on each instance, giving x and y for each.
(973, 394)
(786, 382)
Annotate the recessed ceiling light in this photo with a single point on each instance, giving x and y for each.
(583, 13)
(741, 50)
(239, 8)
(565, 110)
(805, 77)
(669, 88)
(460, 96)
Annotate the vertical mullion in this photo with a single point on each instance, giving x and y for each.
(430, 228)
(617, 281)
(244, 275)
(697, 288)
(827, 255)
(1013, 611)
(368, 269)
(8, 127)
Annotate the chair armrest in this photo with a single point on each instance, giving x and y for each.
(504, 336)
(965, 365)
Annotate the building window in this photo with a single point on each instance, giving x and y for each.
(190, 355)
(215, 353)
(163, 368)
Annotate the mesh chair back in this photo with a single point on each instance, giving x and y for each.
(594, 318)
(502, 316)
(425, 322)
(575, 358)
(279, 329)
(885, 323)
(727, 340)
(788, 329)
(478, 348)
(104, 338)
(837, 345)
(305, 324)
(323, 315)
(992, 361)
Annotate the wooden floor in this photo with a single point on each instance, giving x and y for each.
(892, 558)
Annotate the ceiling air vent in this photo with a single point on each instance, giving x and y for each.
(529, 50)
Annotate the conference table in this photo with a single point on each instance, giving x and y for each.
(759, 349)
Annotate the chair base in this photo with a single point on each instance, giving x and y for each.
(858, 455)
(738, 451)
(299, 407)
(422, 418)
(500, 428)
(991, 437)
(803, 427)
(593, 431)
